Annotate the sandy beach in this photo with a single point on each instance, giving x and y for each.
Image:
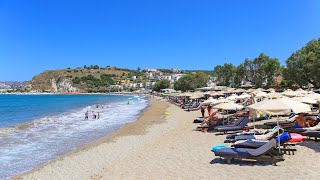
(162, 144)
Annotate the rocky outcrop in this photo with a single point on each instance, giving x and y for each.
(64, 85)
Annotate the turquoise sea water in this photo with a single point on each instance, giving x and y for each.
(37, 128)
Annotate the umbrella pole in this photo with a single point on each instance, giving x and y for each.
(278, 134)
(227, 117)
(254, 127)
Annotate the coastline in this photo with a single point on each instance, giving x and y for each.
(169, 148)
(137, 127)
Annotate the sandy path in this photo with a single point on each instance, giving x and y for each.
(172, 150)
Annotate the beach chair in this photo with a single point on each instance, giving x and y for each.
(312, 134)
(241, 126)
(235, 123)
(263, 153)
(286, 123)
(287, 148)
(256, 132)
(211, 126)
(199, 119)
(267, 136)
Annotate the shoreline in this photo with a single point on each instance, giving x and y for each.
(137, 127)
(168, 147)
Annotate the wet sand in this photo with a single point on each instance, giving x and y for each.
(167, 147)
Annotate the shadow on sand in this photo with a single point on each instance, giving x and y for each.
(311, 144)
(240, 162)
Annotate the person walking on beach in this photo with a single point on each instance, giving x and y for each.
(86, 115)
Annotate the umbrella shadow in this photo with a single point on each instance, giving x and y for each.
(239, 162)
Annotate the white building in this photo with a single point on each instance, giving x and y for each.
(166, 78)
(176, 77)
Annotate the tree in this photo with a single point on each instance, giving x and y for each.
(162, 84)
(191, 81)
(263, 69)
(96, 67)
(225, 74)
(240, 74)
(303, 66)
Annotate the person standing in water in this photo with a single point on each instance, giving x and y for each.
(98, 115)
(86, 115)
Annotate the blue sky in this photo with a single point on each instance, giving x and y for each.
(41, 35)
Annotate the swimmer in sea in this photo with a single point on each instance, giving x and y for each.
(86, 115)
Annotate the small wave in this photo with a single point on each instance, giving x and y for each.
(54, 135)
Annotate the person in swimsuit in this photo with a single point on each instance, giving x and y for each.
(209, 109)
(86, 115)
(300, 121)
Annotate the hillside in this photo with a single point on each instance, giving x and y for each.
(77, 80)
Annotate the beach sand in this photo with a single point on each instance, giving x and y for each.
(162, 144)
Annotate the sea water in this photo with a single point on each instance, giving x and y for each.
(35, 129)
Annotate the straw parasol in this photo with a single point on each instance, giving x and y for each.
(232, 97)
(280, 107)
(306, 100)
(261, 94)
(270, 90)
(210, 100)
(228, 106)
(217, 93)
(289, 93)
(275, 95)
(313, 95)
(244, 96)
(196, 96)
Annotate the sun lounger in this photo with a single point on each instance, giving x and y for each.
(211, 126)
(315, 134)
(232, 136)
(235, 123)
(266, 136)
(254, 144)
(199, 119)
(263, 153)
(241, 126)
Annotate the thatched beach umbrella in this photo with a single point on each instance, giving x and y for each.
(270, 89)
(289, 93)
(306, 100)
(244, 96)
(209, 101)
(196, 96)
(275, 95)
(222, 100)
(261, 94)
(313, 95)
(232, 97)
(280, 107)
(228, 106)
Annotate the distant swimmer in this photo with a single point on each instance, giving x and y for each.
(97, 106)
(86, 115)
(128, 101)
(94, 115)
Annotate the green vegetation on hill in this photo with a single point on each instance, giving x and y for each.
(88, 78)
